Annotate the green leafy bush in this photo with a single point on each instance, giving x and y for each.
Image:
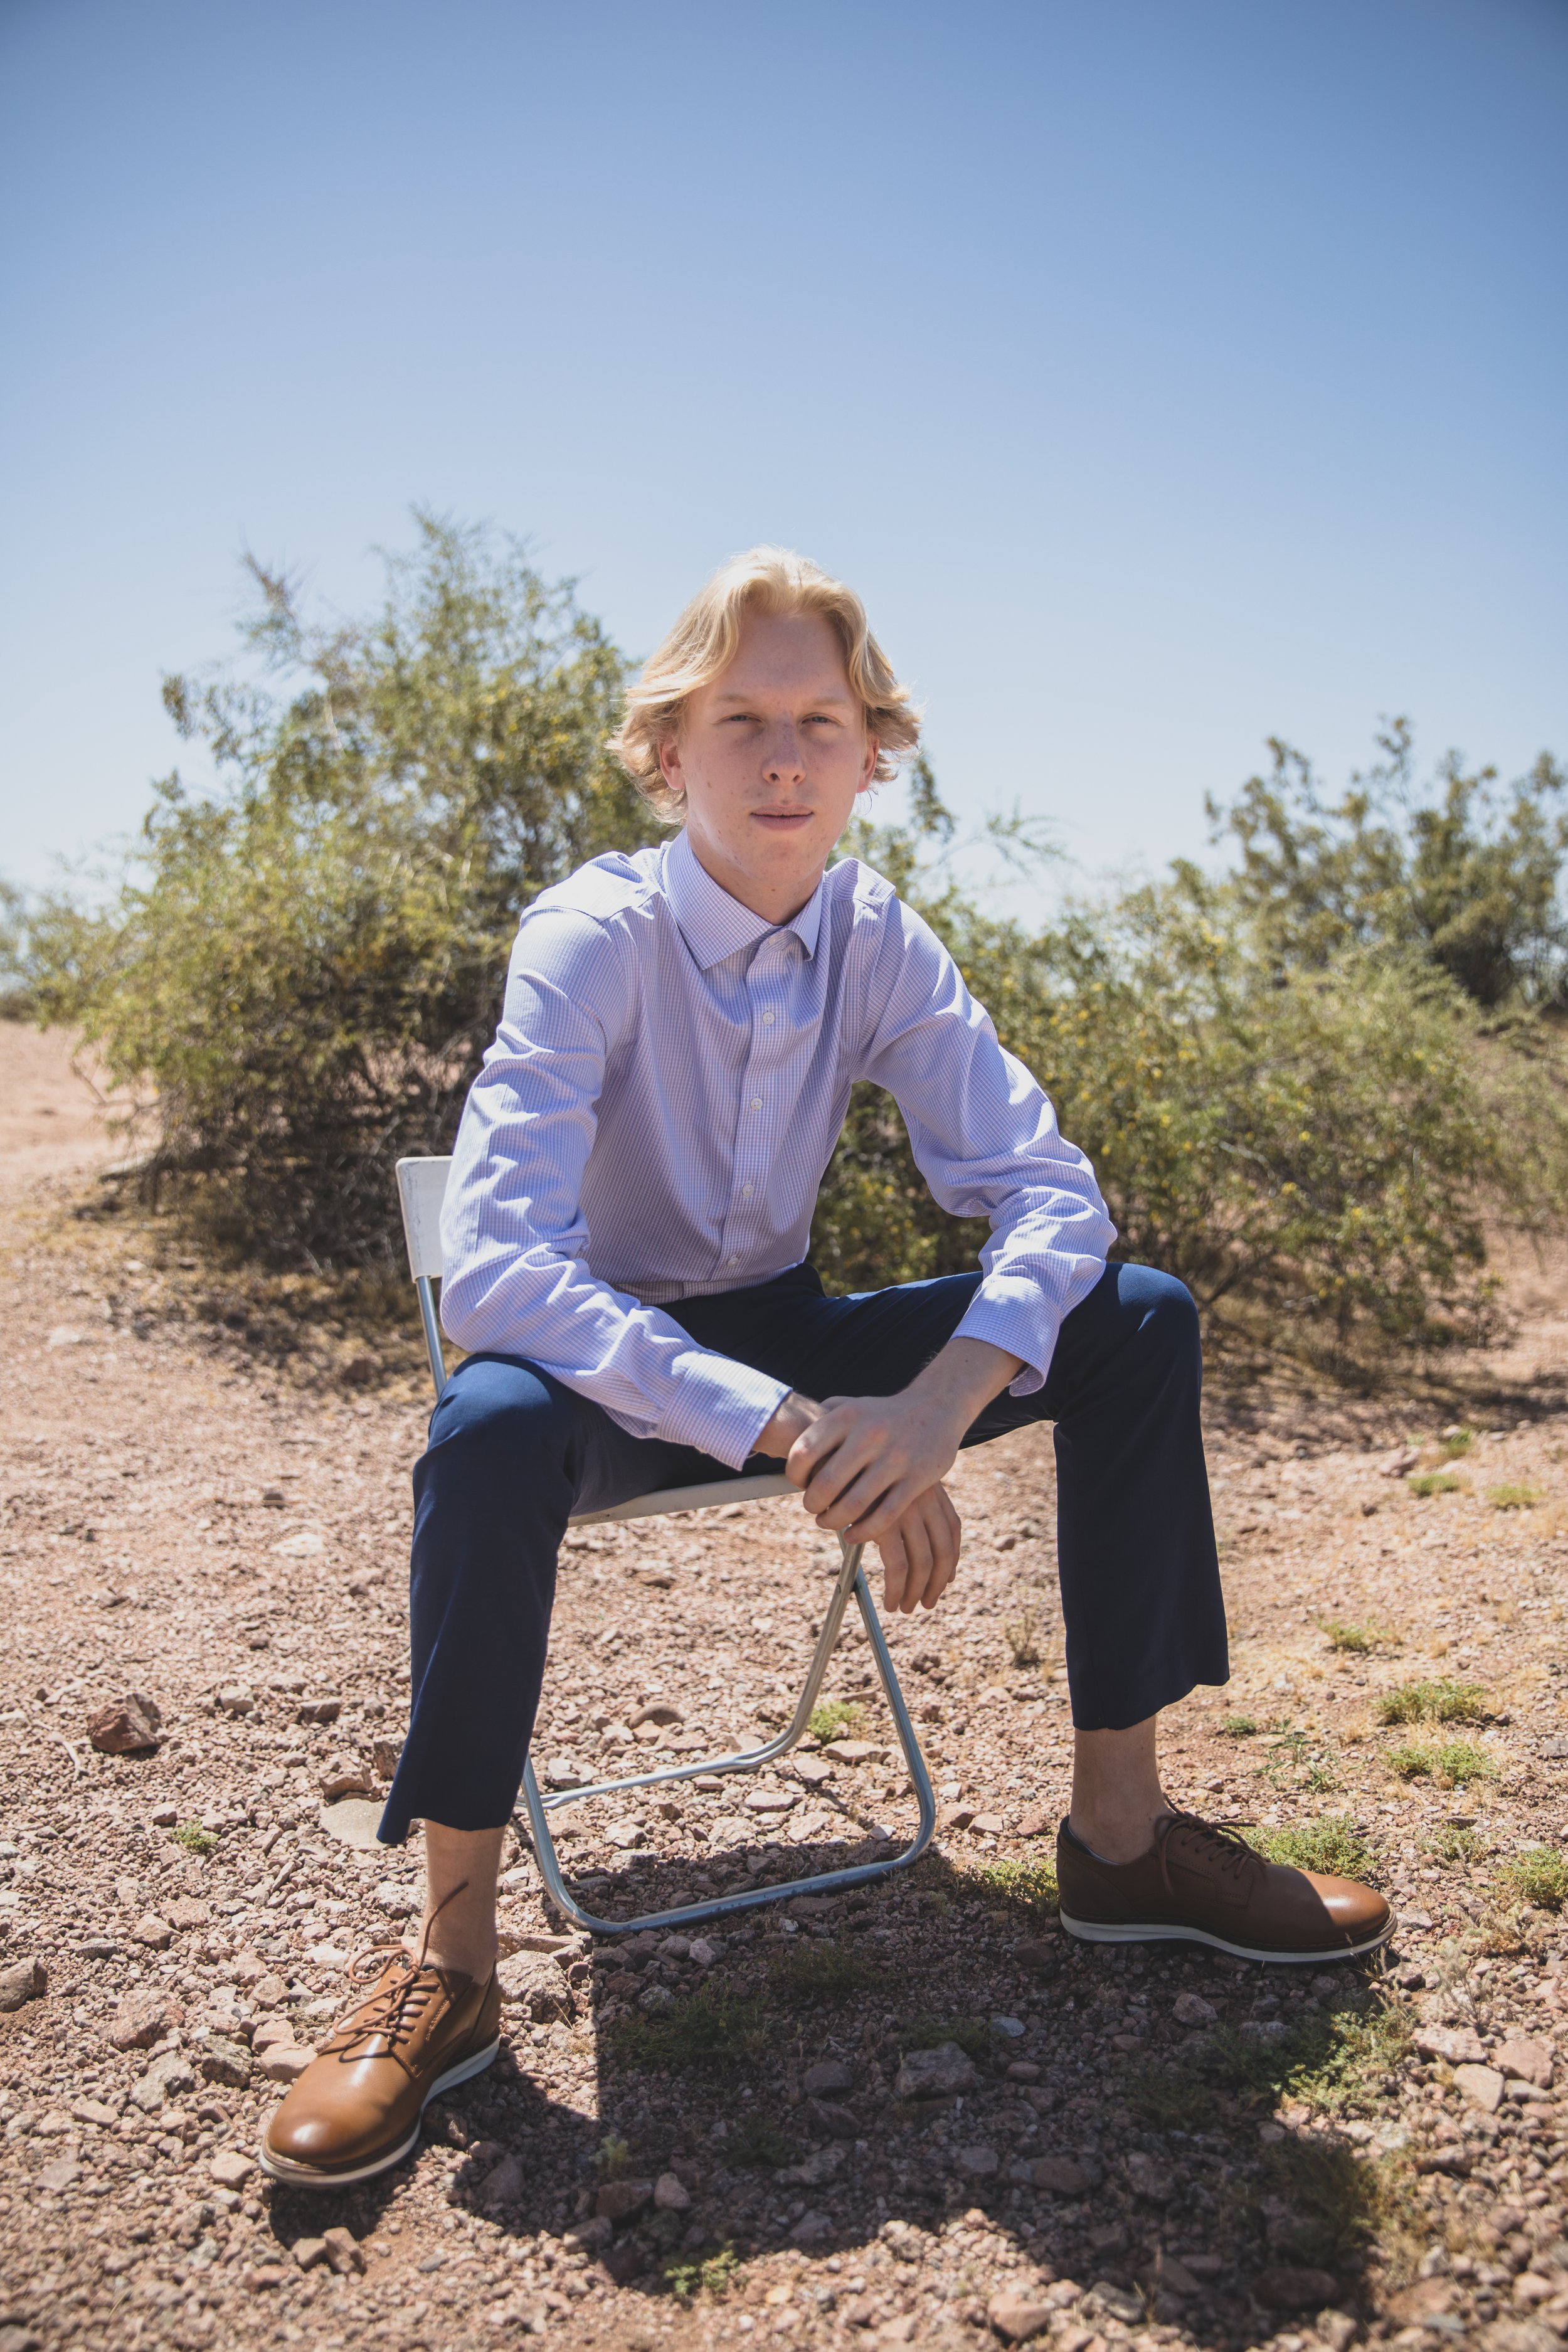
(308, 964)
(1306, 1084)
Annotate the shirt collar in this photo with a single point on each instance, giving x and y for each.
(712, 923)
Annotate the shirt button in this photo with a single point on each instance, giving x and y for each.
(756, 1102)
(746, 1191)
(734, 1261)
(767, 1020)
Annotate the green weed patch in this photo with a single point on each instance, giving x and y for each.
(1443, 1701)
(711, 2031)
(1333, 1845)
(831, 1718)
(1538, 1875)
(1450, 1765)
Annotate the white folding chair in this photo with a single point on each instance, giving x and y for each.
(421, 1185)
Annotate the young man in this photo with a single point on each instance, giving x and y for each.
(624, 1234)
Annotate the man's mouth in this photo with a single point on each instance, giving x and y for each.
(784, 820)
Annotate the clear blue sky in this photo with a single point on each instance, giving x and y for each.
(1165, 375)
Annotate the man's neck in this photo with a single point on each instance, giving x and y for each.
(774, 902)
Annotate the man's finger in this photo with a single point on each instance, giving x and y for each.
(895, 1570)
(914, 1537)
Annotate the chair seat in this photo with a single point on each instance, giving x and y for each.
(690, 1499)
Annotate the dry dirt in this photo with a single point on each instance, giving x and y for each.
(1161, 2147)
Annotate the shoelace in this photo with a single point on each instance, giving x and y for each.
(396, 2011)
(1224, 1847)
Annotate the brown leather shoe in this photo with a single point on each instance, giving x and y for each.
(356, 2109)
(1206, 1885)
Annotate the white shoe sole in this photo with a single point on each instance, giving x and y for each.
(305, 2176)
(1096, 1931)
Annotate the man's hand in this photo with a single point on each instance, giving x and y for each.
(871, 1467)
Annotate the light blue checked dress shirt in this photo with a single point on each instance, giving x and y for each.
(662, 1099)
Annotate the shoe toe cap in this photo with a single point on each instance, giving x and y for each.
(1356, 1912)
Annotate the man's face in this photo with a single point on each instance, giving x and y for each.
(771, 755)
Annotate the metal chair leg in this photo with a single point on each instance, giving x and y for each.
(850, 1579)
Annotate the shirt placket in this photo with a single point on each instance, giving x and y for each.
(761, 1105)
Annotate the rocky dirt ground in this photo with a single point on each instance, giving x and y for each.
(916, 2115)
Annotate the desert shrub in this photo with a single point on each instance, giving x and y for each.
(307, 963)
(1307, 1082)
(1540, 1875)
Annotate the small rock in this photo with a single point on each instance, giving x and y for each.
(93, 2111)
(265, 2276)
(670, 2195)
(506, 2185)
(345, 1776)
(1023, 2070)
(307, 1544)
(283, 2063)
(851, 1751)
(811, 2229)
(59, 2174)
(1114, 2302)
(938, 2073)
(188, 1911)
(400, 1901)
(268, 1991)
(228, 2063)
(770, 1800)
(1264, 2029)
(1531, 2061)
(587, 2237)
(831, 2120)
(955, 1817)
(174, 2073)
(655, 1999)
(1036, 1952)
(143, 2018)
(320, 1710)
(1458, 2045)
(237, 1699)
(828, 2074)
(813, 1772)
(561, 1772)
(1397, 1463)
(164, 1817)
(1061, 2175)
(624, 2262)
(1284, 2288)
(1034, 1825)
(989, 1825)
(1192, 2009)
(619, 2200)
(386, 1756)
(1520, 2335)
(16, 2338)
(1149, 2179)
(155, 1933)
(20, 1983)
(230, 2169)
(658, 1710)
(126, 1726)
(977, 2160)
(824, 2164)
(1007, 2029)
(626, 1836)
(309, 2251)
(705, 1951)
(344, 2252)
(1017, 2316)
(1482, 2085)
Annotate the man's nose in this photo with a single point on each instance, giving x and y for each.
(784, 757)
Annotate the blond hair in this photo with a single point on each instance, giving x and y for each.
(704, 640)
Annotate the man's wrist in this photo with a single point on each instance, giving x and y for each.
(794, 1415)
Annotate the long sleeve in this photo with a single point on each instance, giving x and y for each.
(513, 1233)
(986, 1139)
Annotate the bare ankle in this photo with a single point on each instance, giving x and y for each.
(1116, 1838)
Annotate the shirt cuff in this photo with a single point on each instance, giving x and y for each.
(721, 1407)
(1014, 1314)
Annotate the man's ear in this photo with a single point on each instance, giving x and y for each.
(669, 765)
(868, 770)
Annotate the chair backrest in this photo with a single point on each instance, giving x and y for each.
(421, 1188)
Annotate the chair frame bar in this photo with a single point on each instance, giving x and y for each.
(850, 1582)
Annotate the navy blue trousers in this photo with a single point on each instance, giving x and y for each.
(513, 1453)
